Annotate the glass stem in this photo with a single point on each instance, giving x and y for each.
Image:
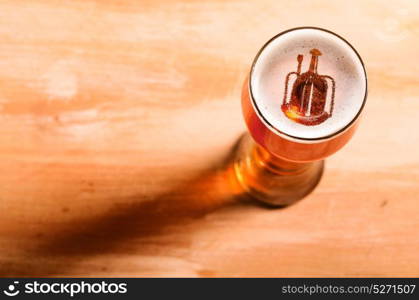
(270, 179)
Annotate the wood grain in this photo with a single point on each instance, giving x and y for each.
(116, 118)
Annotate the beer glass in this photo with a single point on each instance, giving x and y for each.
(301, 102)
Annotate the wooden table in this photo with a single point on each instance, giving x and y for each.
(115, 117)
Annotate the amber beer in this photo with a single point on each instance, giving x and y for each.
(301, 103)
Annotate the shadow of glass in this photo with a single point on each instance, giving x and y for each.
(213, 189)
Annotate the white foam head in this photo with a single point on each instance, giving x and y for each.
(338, 60)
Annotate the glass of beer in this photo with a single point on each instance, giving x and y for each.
(301, 103)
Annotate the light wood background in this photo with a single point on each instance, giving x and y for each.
(115, 117)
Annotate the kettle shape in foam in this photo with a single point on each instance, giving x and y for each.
(307, 103)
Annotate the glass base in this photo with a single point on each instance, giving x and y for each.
(271, 180)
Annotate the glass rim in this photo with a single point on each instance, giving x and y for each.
(289, 136)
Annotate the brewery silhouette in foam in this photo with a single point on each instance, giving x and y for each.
(306, 103)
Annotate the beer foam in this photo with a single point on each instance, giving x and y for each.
(338, 60)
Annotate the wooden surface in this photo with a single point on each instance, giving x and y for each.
(116, 115)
